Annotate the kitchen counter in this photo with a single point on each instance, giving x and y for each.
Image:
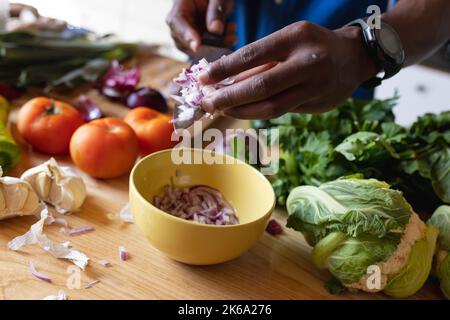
(275, 268)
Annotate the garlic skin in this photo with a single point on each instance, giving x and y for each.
(17, 198)
(57, 185)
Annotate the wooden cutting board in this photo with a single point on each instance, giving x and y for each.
(275, 268)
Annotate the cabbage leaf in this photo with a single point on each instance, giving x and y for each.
(414, 274)
(443, 274)
(441, 220)
(352, 206)
(349, 262)
(357, 223)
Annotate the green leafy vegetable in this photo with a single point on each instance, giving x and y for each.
(413, 276)
(362, 137)
(354, 224)
(349, 262)
(54, 60)
(441, 220)
(443, 273)
(334, 286)
(352, 206)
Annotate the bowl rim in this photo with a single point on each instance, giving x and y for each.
(189, 222)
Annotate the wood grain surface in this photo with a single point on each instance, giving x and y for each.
(275, 268)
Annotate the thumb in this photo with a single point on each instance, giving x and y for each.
(217, 13)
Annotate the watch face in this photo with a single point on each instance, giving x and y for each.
(390, 42)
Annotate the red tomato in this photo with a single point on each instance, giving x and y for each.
(48, 124)
(153, 129)
(104, 148)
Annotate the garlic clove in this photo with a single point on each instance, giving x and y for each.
(75, 188)
(32, 202)
(59, 186)
(17, 198)
(15, 192)
(42, 185)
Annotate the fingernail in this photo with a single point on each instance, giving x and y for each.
(216, 27)
(203, 76)
(194, 45)
(207, 105)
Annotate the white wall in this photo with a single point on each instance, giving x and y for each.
(133, 20)
(421, 89)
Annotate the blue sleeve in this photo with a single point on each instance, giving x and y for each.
(256, 19)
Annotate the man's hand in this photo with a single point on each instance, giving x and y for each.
(313, 69)
(16, 8)
(189, 19)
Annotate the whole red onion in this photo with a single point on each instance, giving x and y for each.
(147, 97)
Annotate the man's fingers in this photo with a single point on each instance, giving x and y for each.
(250, 73)
(276, 106)
(181, 45)
(260, 86)
(216, 15)
(16, 8)
(184, 32)
(209, 103)
(255, 54)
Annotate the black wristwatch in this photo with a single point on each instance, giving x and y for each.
(384, 46)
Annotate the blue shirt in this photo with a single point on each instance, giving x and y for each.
(258, 18)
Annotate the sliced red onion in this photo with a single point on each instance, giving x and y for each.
(38, 274)
(105, 263)
(192, 92)
(123, 254)
(89, 109)
(80, 230)
(118, 82)
(274, 228)
(200, 203)
(91, 284)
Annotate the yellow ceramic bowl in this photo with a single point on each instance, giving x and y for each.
(247, 190)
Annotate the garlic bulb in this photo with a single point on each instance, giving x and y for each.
(58, 186)
(17, 198)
